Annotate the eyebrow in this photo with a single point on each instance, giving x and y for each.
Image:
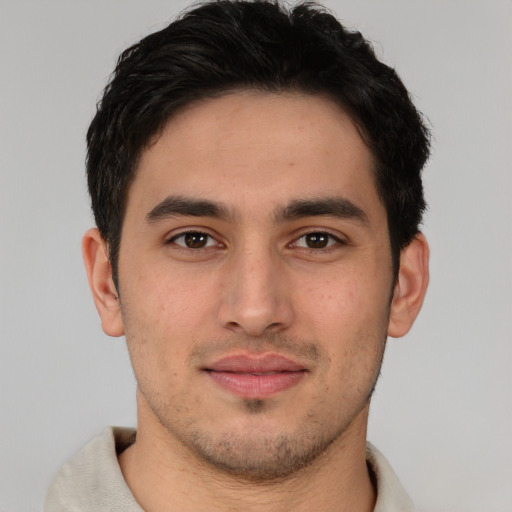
(339, 207)
(173, 206)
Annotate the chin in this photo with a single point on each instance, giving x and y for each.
(260, 457)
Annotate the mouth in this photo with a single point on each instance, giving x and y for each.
(256, 376)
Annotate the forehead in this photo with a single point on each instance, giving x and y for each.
(250, 147)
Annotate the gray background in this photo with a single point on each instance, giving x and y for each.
(442, 410)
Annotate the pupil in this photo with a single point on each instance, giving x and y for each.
(195, 240)
(317, 240)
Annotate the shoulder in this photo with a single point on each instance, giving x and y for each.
(92, 481)
(391, 496)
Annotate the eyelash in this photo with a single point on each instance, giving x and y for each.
(333, 240)
(183, 234)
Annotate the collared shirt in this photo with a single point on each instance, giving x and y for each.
(92, 481)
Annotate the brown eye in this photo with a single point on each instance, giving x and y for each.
(316, 240)
(193, 240)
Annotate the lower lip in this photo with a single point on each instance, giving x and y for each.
(249, 385)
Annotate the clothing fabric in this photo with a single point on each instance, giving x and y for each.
(92, 481)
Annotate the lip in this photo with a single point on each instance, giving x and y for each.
(256, 376)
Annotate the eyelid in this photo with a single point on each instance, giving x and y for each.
(171, 239)
(337, 238)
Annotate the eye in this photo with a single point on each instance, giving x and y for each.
(193, 240)
(317, 240)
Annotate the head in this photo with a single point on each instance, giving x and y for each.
(255, 176)
(226, 46)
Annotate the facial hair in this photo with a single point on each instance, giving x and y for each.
(268, 456)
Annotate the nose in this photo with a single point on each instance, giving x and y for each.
(255, 296)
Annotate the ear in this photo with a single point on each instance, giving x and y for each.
(410, 288)
(99, 274)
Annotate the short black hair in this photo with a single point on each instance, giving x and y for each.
(227, 45)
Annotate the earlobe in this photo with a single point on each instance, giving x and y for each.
(411, 286)
(99, 275)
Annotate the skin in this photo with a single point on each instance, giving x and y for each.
(316, 289)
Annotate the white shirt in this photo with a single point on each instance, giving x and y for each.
(92, 481)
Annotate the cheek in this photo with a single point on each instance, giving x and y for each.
(164, 315)
(350, 299)
(349, 317)
(168, 296)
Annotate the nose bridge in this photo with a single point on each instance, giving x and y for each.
(255, 298)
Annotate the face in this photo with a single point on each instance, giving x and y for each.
(255, 280)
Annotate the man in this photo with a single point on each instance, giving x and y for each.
(255, 180)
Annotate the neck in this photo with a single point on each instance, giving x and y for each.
(165, 476)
